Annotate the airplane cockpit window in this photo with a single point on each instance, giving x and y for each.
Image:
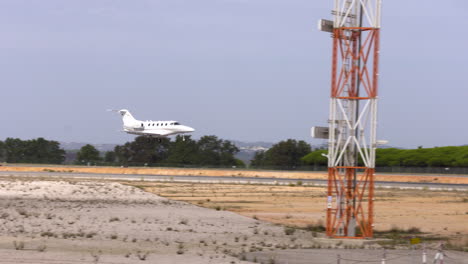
(176, 123)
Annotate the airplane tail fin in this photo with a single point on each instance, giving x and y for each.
(127, 118)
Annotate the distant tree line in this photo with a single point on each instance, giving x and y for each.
(423, 157)
(143, 151)
(393, 157)
(41, 151)
(210, 151)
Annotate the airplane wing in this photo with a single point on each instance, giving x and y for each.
(160, 133)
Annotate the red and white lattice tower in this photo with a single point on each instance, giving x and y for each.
(353, 118)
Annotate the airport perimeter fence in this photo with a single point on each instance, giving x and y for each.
(424, 170)
(423, 255)
(405, 170)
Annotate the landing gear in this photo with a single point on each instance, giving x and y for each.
(183, 137)
(159, 140)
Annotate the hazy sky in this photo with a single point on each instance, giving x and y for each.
(251, 70)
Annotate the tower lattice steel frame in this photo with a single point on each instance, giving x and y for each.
(353, 118)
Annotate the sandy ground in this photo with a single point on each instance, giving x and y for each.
(86, 222)
(231, 173)
(354, 256)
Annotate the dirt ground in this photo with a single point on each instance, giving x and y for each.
(438, 212)
(94, 221)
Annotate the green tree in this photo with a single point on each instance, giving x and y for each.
(37, 150)
(316, 158)
(449, 156)
(227, 152)
(283, 155)
(143, 150)
(56, 154)
(2, 151)
(461, 159)
(43, 151)
(389, 157)
(88, 153)
(182, 152)
(110, 157)
(216, 152)
(123, 154)
(258, 160)
(240, 163)
(14, 149)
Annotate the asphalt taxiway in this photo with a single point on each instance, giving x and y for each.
(218, 179)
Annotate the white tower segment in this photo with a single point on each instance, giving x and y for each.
(353, 117)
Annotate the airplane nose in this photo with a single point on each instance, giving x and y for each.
(189, 129)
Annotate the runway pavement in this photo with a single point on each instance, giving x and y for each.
(216, 179)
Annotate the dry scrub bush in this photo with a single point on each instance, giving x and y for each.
(289, 230)
(47, 234)
(142, 255)
(180, 249)
(41, 248)
(18, 245)
(96, 255)
(22, 212)
(4, 215)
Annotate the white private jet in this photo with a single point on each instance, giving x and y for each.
(157, 129)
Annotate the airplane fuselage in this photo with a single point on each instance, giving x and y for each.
(156, 129)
